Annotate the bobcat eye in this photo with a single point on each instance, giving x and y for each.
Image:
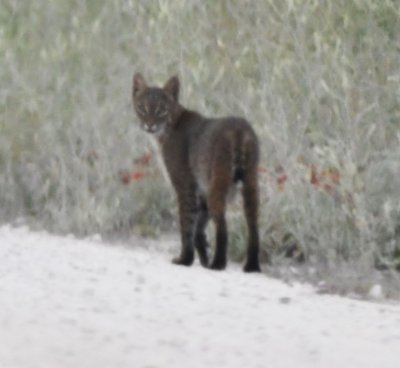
(163, 114)
(141, 111)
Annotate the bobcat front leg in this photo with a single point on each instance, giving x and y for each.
(200, 239)
(187, 219)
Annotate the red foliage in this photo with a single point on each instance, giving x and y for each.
(140, 169)
(143, 160)
(127, 177)
(325, 179)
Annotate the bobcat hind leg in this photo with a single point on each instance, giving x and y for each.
(218, 192)
(250, 203)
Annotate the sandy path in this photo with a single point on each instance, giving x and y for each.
(82, 304)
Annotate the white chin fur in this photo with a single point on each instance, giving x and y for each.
(158, 132)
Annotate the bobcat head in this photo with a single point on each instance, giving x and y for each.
(157, 108)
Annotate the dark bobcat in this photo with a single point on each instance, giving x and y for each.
(205, 159)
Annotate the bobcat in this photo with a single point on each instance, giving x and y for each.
(205, 159)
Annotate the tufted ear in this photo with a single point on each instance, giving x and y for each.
(172, 87)
(138, 85)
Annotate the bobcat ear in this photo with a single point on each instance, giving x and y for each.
(138, 84)
(172, 87)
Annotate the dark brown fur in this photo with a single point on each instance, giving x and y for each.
(205, 159)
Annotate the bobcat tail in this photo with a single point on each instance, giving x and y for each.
(244, 155)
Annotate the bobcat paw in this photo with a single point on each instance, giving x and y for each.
(252, 267)
(183, 260)
(204, 260)
(203, 257)
(203, 251)
(218, 265)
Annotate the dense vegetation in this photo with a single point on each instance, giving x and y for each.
(319, 79)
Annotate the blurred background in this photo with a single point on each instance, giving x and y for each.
(318, 79)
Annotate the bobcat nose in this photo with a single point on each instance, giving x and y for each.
(150, 128)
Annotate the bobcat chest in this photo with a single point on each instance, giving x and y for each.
(174, 157)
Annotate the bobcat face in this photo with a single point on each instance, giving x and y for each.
(155, 107)
(153, 111)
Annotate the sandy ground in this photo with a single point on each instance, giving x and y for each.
(82, 303)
